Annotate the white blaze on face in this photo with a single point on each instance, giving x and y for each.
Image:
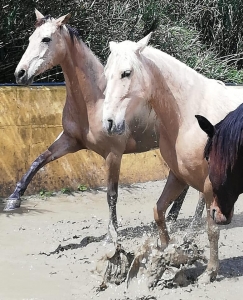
(42, 53)
(126, 88)
(41, 60)
(118, 85)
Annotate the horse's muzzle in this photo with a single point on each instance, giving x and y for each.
(22, 77)
(218, 217)
(112, 128)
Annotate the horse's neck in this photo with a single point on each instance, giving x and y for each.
(83, 74)
(174, 81)
(162, 99)
(179, 92)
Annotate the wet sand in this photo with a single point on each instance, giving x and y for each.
(78, 223)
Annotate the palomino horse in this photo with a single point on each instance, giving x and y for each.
(140, 77)
(54, 43)
(223, 152)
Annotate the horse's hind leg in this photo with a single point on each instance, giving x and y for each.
(63, 144)
(199, 211)
(176, 206)
(173, 188)
(113, 164)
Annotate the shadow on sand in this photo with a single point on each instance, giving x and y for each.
(23, 210)
(231, 267)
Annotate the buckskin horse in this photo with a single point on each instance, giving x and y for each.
(139, 77)
(224, 153)
(52, 43)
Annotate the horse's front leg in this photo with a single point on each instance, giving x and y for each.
(213, 237)
(113, 164)
(63, 144)
(173, 188)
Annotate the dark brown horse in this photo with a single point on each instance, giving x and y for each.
(54, 43)
(224, 153)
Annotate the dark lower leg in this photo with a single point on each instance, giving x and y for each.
(63, 145)
(112, 195)
(113, 163)
(199, 211)
(176, 207)
(25, 180)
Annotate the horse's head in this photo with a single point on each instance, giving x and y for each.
(46, 48)
(127, 84)
(224, 179)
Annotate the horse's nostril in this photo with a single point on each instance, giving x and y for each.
(110, 124)
(213, 213)
(21, 73)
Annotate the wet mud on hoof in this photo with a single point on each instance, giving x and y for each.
(151, 267)
(113, 268)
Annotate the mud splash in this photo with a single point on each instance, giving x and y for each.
(150, 266)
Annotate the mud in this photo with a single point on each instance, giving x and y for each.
(51, 248)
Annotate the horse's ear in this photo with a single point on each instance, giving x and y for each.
(39, 15)
(205, 125)
(63, 20)
(143, 43)
(112, 46)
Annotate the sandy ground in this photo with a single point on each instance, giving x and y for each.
(42, 224)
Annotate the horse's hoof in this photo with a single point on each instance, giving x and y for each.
(207, 277)
(107, 239)
(12, 204)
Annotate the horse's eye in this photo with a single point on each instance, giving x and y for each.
(126, 73)
(46, 40)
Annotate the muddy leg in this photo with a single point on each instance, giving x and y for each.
(63, 145)
(213, 237)
(191, 232)
(176, 206)
(172, 190)
(199, 211)
(113, 163)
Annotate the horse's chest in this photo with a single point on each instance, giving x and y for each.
(186, 161)
(74, 128)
